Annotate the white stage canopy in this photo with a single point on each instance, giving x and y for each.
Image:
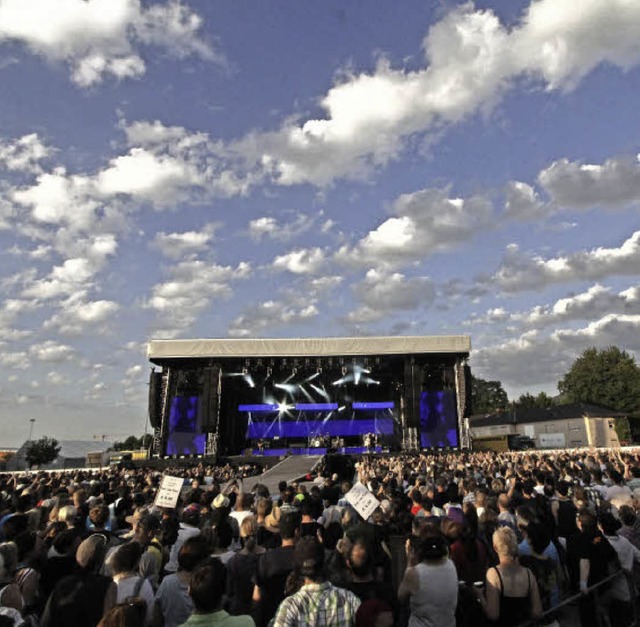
(308, 347)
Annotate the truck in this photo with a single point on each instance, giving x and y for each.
(98, 459)
(502, 443)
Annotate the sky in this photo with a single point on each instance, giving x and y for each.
(182, 169)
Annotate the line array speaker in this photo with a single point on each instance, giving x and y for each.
(155, 399)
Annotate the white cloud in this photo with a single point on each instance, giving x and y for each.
(426, 221)
(519, 272)
(102, 38)
(134, 371)
(572, 185)
(144, 175)
(383, 293)
(304, 261)
(523, 203)
(326, 283)
(64, 280)
(56, 378)
(76, 315)
(594, 303)
(51, 351)
(177, 245)
(16, 360)
(471, 59)
(75, 274)
(189, 290)
(534, 359)
(57, 198)
(24, 154)
(292, 225)
(270, 314)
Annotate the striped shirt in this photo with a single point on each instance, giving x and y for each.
(318, 605)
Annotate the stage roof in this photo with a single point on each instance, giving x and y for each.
(307, 347)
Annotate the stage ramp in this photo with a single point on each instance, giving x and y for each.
(293, 467)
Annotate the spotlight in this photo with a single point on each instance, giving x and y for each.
(343, 370)
(245, 371)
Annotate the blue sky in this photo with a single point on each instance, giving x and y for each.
(289, 169)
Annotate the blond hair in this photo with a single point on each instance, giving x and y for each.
(505, 542)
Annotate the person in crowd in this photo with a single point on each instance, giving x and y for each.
(206, 591)
(86, 596)
(188, 529)
(511, 592)
(467, 552)
(173, 605)
(130, 614)
(273, 569)
(618, 596)
(317, 603)
(242, 569)
(362, 582)
(308, 525)
(564, 512)
(629, 528)
(129, 582)
(506, 517)
(537, 543)
(60, 562)
(430, 583)
(374, 613)
(244, 501)
(27, 576)
(268, 523)
(591, 558)
(10, 595)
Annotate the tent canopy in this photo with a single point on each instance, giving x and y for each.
(308, 347)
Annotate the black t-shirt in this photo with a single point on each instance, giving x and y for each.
(597, 550)
(310, 529)
(241, 573)
(271, 575)
(368, 590)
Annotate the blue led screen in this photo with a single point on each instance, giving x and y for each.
(304, 428)
(438, 419)
(184, 429)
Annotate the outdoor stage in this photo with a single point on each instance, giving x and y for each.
(278, 397)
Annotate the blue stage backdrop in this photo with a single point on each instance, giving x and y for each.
(279, 427)
(438, 421)
(185, 437)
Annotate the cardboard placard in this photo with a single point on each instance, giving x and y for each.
(361, 499)
(169, 491)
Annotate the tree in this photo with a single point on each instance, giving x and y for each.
(528, 401)
(42, 451)
(609, 377)
(487, 397)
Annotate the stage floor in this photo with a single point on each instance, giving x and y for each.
(345, 450)
(289, 469)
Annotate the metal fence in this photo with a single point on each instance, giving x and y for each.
(596, 599)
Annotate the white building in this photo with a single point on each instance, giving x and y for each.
(561, 426)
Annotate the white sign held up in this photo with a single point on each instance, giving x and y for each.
(169, 492)
(362, 500)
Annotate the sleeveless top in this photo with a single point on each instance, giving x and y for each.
(513, 610)
(434, 603)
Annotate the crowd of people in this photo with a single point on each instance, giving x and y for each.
(457, 539)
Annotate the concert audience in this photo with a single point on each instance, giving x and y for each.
(531, 526)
